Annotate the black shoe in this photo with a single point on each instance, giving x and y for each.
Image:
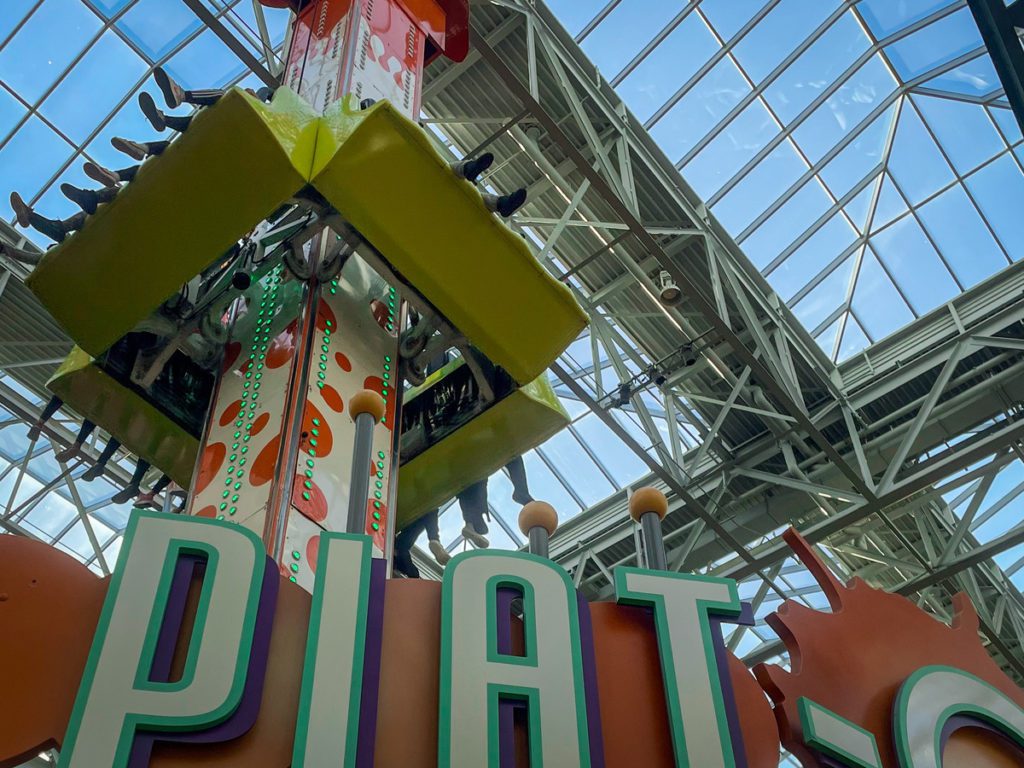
(125, 494)
(86, 199)
(53, 229)
(34, 431)
(103, 175)
(173, 93)
(152, 112)
(506, 205)
(22, 212)
(470, 170)
(68, 453)
(96, 470)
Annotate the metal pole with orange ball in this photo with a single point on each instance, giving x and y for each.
(366, 409)
(648, 506)
(538, 520)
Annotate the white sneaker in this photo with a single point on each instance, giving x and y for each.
(479, 540)
(439, 552)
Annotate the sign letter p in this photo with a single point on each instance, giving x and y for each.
(118, 696)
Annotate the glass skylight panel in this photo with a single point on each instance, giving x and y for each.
(107, 71)
(672, 62)
(46, 45)
(625, 31)
(157, 26)
(935, 44)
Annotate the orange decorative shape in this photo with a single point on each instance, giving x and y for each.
(332, 398)
(209, 466)
(230, 413)
(315, 507)
(854, 659)
(52, 607)
(634, 718)
(264, 468)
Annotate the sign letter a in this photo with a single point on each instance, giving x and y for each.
(479, 677)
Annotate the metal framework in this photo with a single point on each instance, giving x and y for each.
(902, 462)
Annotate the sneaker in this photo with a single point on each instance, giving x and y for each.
(509, 204)
(98, 173)
(85, 199)
(152, 112)
(470, 170)
(145, 500)
(68, 453)
(125, 494)
(173, 93)
(92, 472)
(478, 539)
(21, 210)
(439, 552)
(133, 149)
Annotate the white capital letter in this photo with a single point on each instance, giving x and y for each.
(327, 733)
(693, 687)
(475, 676)
(116, 697)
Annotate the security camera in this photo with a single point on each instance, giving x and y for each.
(669, 292)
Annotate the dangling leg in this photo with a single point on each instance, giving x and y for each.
(430, 523)
(159, 120)
(75, 448)
(54, 229)
(138, 150)
(88, 199)
(404, 542)
(473, 502)
(109, 178)
(146, 499)
(470, 170)
(97, 469)
(505, 205)
(175, 95)
(517, 474)
(131, 490)
(51, 407)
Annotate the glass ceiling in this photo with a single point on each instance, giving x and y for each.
(861, 154)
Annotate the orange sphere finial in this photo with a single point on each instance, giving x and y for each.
(645, 500)
(538, 513)
(366, 401)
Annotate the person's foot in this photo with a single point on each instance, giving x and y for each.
(86, 199)
(478, 539)
(145, 500)
(470, 170)
(35, 431)
(439, 552)
(22, 211)
(103, 175)
(133, 149)
(92, 472)
(521, 497)
(125, 494)
(152, 112)
(173, 93)
(68, 453)
(509, 204)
